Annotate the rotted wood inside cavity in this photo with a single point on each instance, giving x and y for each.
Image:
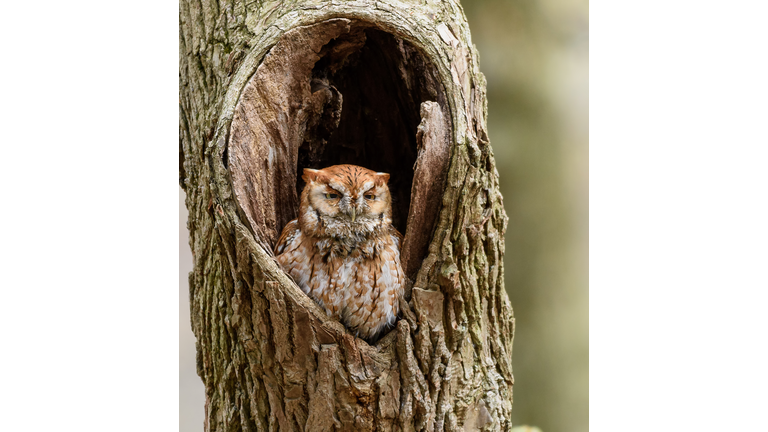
(382, 81)
(342, 92)
(269, 124)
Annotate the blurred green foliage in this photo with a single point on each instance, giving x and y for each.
(534, 55)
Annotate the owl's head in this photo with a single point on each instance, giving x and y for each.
(347, 194)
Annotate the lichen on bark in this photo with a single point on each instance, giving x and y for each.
(269, 357)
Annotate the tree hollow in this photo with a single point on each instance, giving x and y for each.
(342, 92)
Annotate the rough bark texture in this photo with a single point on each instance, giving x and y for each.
(267, 88)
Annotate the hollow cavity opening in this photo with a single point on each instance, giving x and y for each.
(341, 92)
(370, 86)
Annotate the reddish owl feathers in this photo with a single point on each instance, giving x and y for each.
(343, 250)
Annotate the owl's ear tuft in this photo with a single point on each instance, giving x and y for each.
(381, 178)
(311, 175)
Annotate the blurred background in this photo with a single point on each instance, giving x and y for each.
(535, 56)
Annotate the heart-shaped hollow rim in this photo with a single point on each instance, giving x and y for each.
(342, 91)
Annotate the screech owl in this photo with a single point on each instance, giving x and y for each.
(343, 250)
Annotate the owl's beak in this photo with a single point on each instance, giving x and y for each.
(352, 213)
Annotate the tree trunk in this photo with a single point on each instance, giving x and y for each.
(267, 88)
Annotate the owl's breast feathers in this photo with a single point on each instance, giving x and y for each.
(356, 279)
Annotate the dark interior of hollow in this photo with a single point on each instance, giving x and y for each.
(378, 82)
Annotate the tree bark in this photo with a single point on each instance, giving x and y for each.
(269, 87)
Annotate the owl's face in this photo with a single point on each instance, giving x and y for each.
(349, 194)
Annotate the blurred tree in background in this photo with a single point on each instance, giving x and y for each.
(534, 55)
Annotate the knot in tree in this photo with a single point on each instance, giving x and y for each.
(268, 89)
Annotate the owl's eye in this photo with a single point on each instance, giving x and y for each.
(369, 196)
(331, 196)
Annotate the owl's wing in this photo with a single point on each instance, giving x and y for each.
(290, 232)
(399, 237)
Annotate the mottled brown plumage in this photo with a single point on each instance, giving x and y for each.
(343, 250)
